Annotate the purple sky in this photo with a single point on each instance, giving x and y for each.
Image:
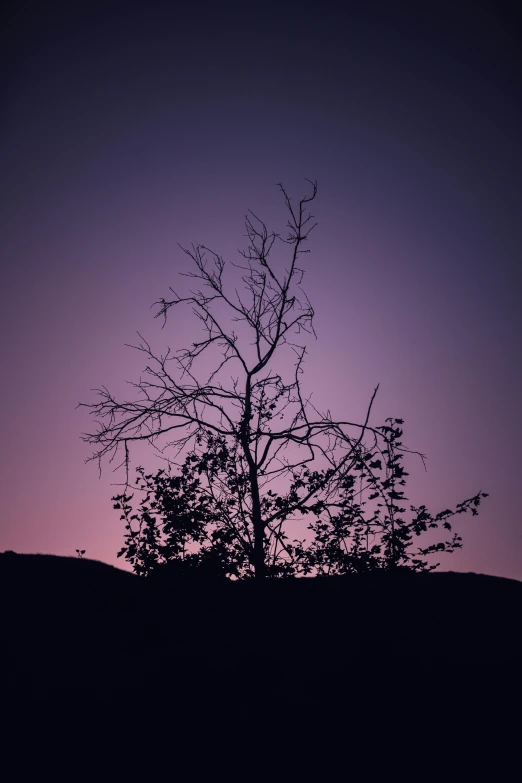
(125, 131)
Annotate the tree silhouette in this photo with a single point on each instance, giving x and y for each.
(251, 454)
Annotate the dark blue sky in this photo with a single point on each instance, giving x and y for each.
(129, 127)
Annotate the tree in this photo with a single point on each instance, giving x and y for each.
(252, 453)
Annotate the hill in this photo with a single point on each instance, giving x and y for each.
(80, 625)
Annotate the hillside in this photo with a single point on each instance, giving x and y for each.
(80, 624)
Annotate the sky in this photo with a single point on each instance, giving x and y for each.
(127, 128)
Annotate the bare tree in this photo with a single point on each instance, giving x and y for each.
(265, 455)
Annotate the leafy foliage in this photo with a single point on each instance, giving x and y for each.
(200, 517)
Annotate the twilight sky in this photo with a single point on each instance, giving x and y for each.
(129, 127)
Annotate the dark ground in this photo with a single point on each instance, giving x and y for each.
(79, 632)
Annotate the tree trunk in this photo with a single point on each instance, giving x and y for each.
(257, 519)
(259, 530)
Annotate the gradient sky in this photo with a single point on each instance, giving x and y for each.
(129, 127)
